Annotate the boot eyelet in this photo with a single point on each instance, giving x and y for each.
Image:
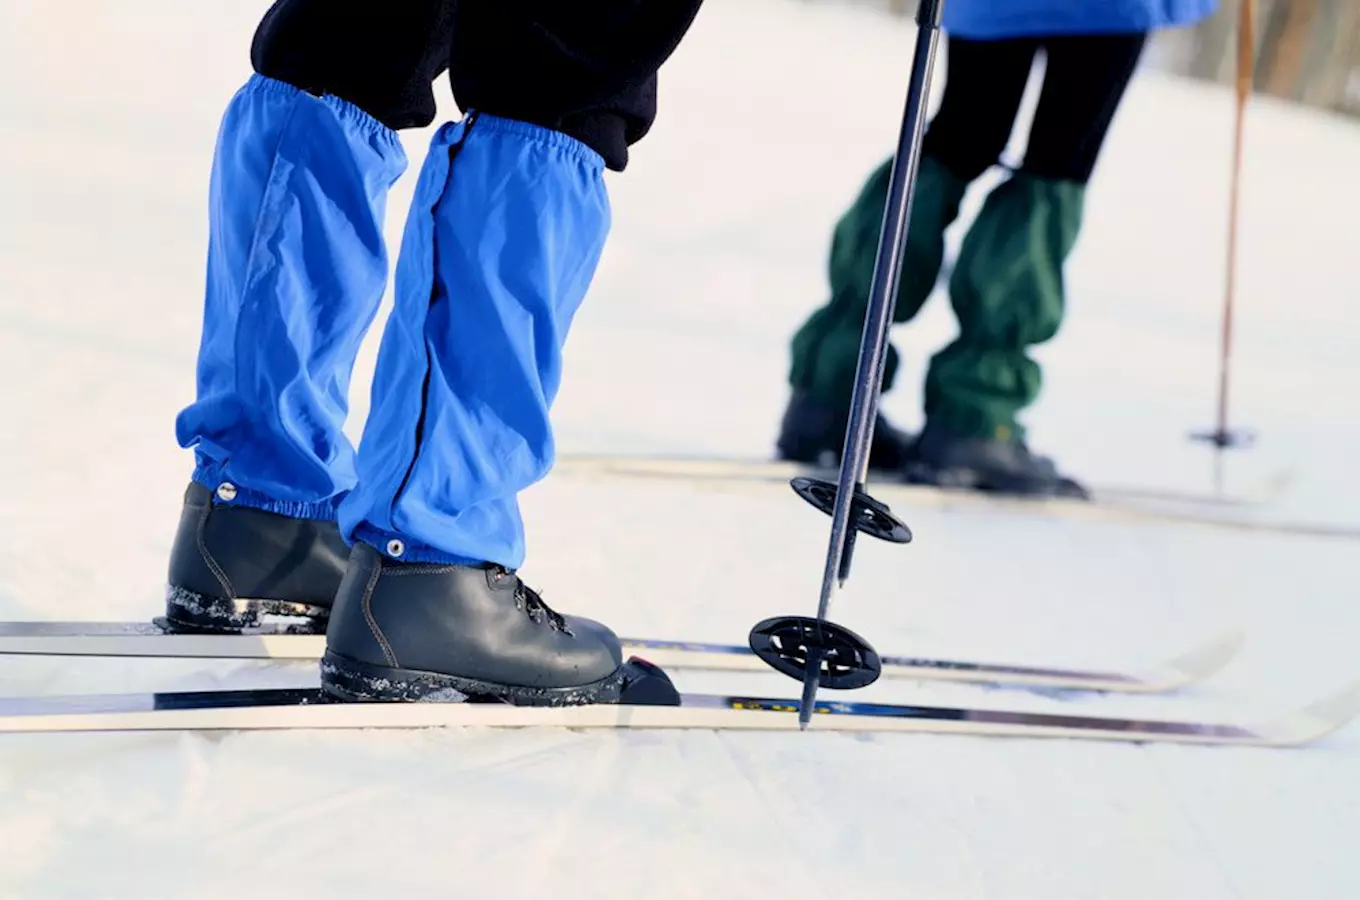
(226, 491)
(395, 548)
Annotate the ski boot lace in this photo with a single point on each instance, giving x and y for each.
(531, 603)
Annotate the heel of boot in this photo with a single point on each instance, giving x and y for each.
(187, 611)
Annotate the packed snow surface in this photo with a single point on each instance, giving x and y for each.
(772, 113)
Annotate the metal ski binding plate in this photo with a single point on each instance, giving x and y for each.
(867, 515)
(786, 642)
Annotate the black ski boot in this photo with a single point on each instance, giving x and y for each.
(235, 568)
(414, 631)
(812, 432)
(942, 458)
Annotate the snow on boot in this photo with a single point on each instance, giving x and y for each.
(814, 432)
(234, 568)
(1001, 465)
(422, 631)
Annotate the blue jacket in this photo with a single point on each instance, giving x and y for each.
(994, 19)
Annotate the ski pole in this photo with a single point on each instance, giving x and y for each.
(798, 646)
(1222, 437)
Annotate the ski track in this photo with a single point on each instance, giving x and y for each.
(718, 253)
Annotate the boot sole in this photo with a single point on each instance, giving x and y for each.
(966, 479)
(347, 679)
(190, 612)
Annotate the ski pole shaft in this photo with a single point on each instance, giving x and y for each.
(878, 319)
(1246, 40)
(892, 240)
(882, 296)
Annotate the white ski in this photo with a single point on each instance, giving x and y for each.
(144, 639)
(275, 709)
(1108, 503)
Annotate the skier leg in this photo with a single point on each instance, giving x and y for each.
(1007, 286)
(296, 268)
(985, 84)
(508, 222)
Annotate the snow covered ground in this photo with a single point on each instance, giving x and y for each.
(772, 113)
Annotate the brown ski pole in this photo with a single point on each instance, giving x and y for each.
(1222, 437)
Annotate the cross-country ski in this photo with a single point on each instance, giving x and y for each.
(149, 639)
(292, 709)
(1248, 511)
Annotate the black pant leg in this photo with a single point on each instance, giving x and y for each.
(984, 84)
(1084, 81)
(586, 69)
(382, 57)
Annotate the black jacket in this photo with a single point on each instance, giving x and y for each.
(584, 67)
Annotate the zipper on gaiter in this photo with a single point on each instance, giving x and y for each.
(453, 151)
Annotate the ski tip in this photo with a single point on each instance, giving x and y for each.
(1199, 663)
(1317, 720)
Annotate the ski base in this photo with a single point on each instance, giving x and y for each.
(291, 709)
(151, 639)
